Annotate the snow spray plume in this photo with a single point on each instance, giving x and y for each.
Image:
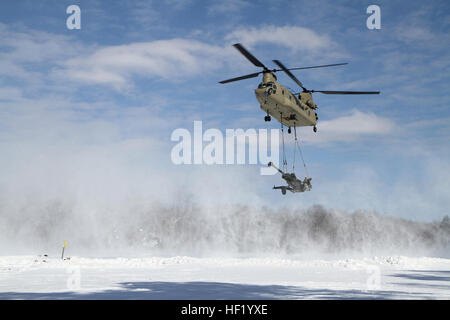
(186, 228)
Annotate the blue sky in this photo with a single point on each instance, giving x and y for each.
(89, 113)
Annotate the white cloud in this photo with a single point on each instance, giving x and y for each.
(352, 127)
(176, 59)
(227, 7)
(292, 37)
(10, 93)
(27, 56)
(34, 46)
(172, 59)
(414, 33)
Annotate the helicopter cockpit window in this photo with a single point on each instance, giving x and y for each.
(267, 85)
(271, 88)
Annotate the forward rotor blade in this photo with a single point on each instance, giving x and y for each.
(278, 63)
(322, 66)
(345, 92)
(248, 55)
(248, 76)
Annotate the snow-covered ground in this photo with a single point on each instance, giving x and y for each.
(396, 277)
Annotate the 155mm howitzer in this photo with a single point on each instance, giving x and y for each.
(293, 184)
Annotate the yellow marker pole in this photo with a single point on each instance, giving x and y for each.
(64, 246)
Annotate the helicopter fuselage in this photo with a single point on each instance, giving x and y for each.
(284, 106)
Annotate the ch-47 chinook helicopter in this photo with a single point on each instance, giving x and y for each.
(290, 110)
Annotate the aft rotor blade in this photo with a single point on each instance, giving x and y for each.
(322, 66)
(248, 76)
(278, 63)
(248, 55)
(345, 92)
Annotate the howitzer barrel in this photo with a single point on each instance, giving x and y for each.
(270, 164)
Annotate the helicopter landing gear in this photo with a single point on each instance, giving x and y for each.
(315, 129)
(289, 130)
(267, 118)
